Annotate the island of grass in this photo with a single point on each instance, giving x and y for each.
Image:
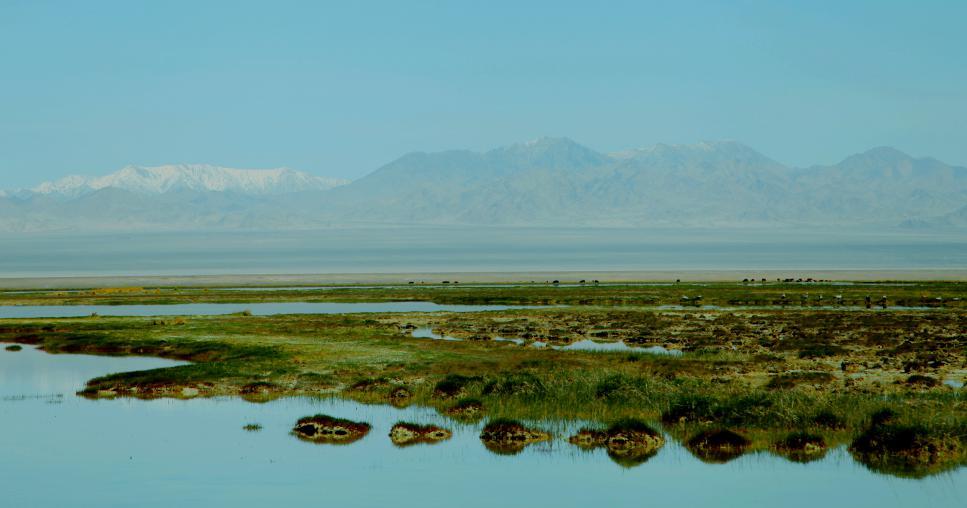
(762, 367)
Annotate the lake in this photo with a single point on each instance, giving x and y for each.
(62, 450)
(476, 249)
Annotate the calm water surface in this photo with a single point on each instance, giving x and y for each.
(476, 249)
(67, 451)
(258, 309)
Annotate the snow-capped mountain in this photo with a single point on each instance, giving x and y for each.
(549, 182)
(191, 177)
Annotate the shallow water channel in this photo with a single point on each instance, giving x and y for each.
(580, 345)
(62, 450)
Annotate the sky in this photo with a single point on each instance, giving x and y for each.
(340, 88)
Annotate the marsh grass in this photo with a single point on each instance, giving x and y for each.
(793, 379)
(454, 385)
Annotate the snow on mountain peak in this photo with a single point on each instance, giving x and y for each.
(194, 177)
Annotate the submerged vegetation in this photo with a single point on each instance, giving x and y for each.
(771, 372)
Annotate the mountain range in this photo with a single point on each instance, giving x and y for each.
(547, 182)
(191, 177)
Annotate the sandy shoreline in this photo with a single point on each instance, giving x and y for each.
(257, 280)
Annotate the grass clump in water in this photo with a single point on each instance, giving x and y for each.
(802, 446)
(750, 410)
(826, 419)
(407, 434)
(893, 446)
(718, 446)
(505, 436)
(322, 428)
(467, 409)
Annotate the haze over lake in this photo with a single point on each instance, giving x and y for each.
(455, 249)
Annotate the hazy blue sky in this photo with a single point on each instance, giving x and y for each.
(341, 88)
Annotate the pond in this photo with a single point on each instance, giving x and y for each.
(258, 309)
(62, 450)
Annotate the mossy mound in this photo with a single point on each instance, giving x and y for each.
(259, 391)
(369, 384)
(327, 429)
(693, 409)
(453, 385)
(509, 437)
(801, 447)
(717, 446)
(629, 442)
(883, 417)
(14, 347)
(407, 434)
(907, 450)
(828, 420)
(400, 396)
(466, 410)
(922, 382)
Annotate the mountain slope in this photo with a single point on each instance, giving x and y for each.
(880, 184)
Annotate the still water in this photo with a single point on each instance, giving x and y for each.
(257, 309)
(62, 450)
(476, 249)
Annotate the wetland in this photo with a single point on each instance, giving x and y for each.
(745, 388)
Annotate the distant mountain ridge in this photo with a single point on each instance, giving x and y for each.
(547, 182)
(193, 177)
